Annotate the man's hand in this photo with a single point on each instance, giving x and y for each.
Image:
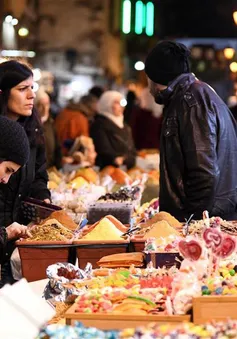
(67, 160)
(15, 231)
(47, 201)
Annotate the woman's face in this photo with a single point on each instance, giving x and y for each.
(43, 107)
(117, 108)
(7, 168)
(21, 99)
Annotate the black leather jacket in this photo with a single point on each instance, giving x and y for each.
(198, 153)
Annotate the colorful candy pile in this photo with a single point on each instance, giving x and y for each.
(94, 302)
(118, 279)
(110, 299)
(184, 331)
(211, 330)
(223, 284)
(74, 332)
(154, 282)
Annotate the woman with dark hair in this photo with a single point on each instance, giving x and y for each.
(17, 103)
(14, 153)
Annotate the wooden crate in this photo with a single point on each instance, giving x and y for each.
(208, 308)
(109, 321)
(93, 251)
(36, 256)
(138, 245)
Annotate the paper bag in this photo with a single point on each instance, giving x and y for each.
(22, 313)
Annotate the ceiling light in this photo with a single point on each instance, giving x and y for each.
(23, 31)
(229, 52)
(233, 67)
(14, 22)
(139, 66)
(8, 19)
(123, 102)
(16, 53)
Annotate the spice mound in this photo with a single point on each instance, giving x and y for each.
(52, 230)
(104, 230)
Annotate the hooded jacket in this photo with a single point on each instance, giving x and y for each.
(29, 181)
(198, 151)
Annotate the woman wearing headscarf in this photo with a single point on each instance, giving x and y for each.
(17, 103)
(112, 137)
(14, 153)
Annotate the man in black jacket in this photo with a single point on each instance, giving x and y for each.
(198, 150)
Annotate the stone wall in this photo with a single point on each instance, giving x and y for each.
(74, 32)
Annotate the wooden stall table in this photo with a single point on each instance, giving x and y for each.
(109, 321)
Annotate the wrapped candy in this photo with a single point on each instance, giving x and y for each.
(185, 286)
(206, 219)
(56, 331)
(60, 274)
(65, 272)
(150, 245)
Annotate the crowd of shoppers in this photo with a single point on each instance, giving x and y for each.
(177, 114)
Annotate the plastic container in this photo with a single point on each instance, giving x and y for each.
(167, 259)
(120, 210)
(37, 210)
(37, 256)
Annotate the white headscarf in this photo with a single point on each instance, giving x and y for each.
(105, 104)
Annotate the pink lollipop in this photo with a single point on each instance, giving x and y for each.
(227, 247)
(212, 237)
(190, 249)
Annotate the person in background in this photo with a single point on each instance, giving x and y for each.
(17, 103)
(14, 153)
(112, 137)
(55, 107)
(96, 91)
(198, 151)
(145, 122)
(52, 146)
(83, 151)
(88, 107)
(74, 121)
(130, 107)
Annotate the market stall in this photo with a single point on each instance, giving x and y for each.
(111, 262)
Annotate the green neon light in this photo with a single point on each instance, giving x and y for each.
(139, 17)
(149, 19)
(126, 21)
(144, 16)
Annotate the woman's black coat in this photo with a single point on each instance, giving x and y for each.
(29, 181)
(112, 142)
